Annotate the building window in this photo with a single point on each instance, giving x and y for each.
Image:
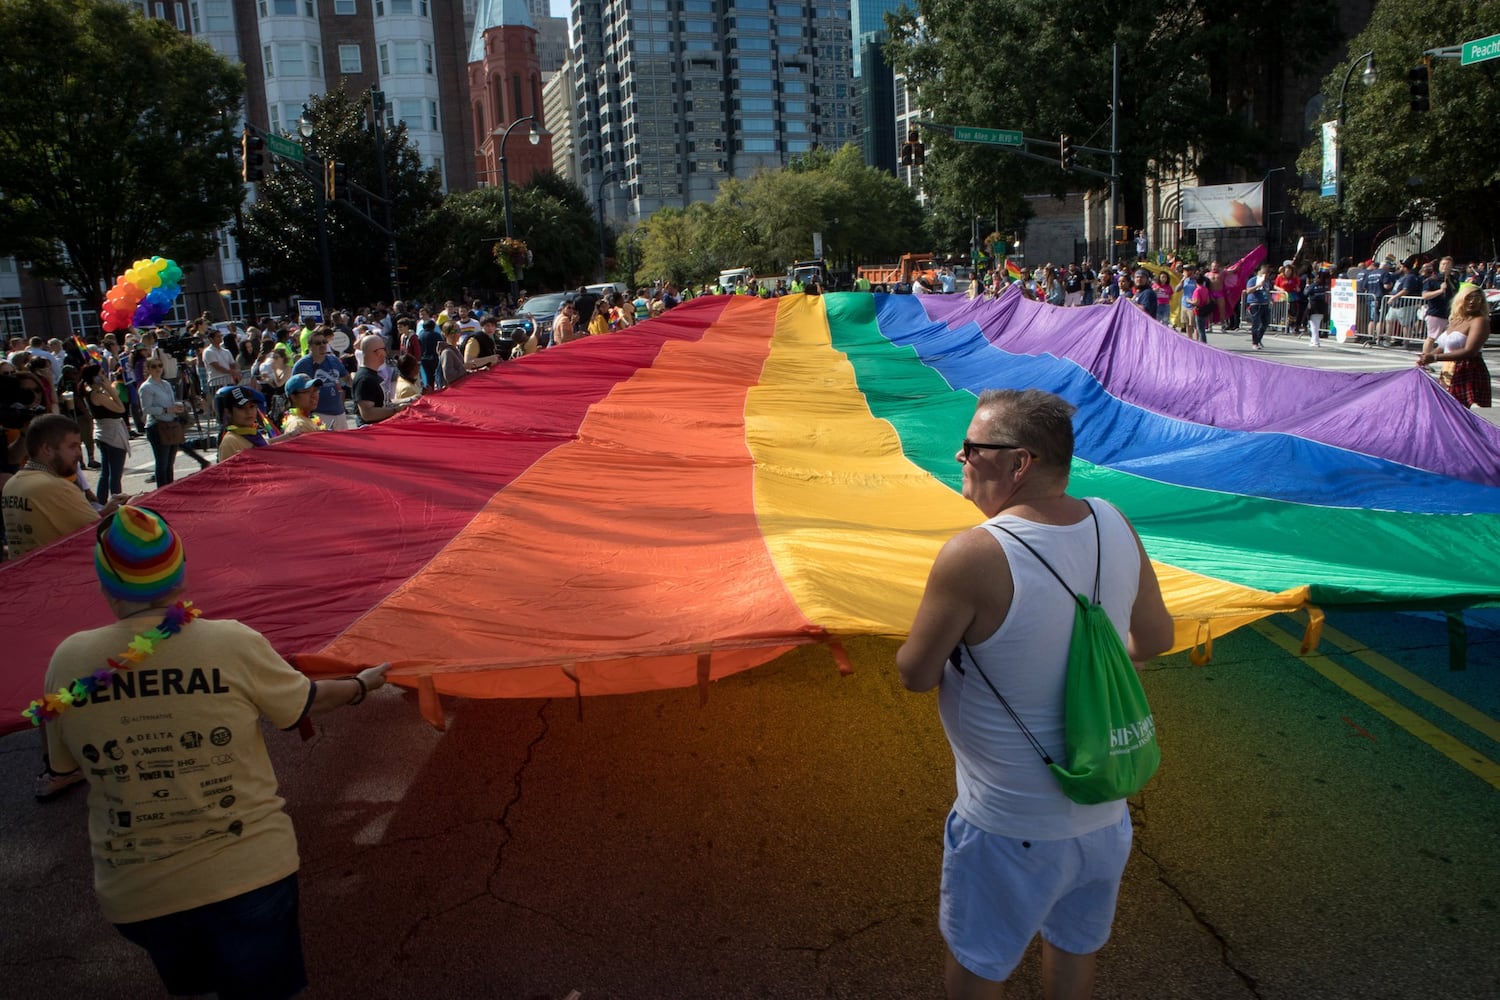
(290, 57)
(275, 123)
(385, 59)
(349, 59)
(432, 116)
(437, 168)
(400, 6)
(343, 7)
(427, 62)
(380, 8)
(270, 63)
(314, 60)
(406, 57)
(82, 318)
(219, 17)
(197, 17)
(12, 320)
(284, 8)
(308, 9)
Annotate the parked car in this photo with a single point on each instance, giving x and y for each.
(537, 311)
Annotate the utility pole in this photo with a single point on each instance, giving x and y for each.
(1114, 147)
(377, 112)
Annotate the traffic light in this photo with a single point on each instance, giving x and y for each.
(335, 180)
(1065, 153)
(252, 160)
(913, 153)
(1419, 80)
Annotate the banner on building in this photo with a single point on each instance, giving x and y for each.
(1330, 159)
(1224, 206)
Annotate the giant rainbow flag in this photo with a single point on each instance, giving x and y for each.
(695, 496)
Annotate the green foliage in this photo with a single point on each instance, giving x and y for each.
(768, 222)
(281, 227)
(1197, 81)
(452, 247)
(1448, 157)
(115, 140)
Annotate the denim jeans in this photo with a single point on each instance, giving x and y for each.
(111, 471)
(165, 455)
(1260, 318)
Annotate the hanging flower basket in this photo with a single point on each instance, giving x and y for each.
(512, 255)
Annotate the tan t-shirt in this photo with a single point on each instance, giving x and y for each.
(233, 444)
(41, 507)
(183, 809)
(296, 423)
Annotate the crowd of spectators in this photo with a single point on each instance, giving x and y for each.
(224, 387)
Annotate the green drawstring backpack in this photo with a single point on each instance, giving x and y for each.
(1110, 735)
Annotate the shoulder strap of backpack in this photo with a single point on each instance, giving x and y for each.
(1098, 547)
(958, 659)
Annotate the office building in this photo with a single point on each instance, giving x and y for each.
(673, 96)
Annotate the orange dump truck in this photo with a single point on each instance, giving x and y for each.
(910, 267)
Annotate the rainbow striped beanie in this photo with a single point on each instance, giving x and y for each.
(138, 557)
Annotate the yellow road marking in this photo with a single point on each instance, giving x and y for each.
(1460, 710)
(1461, 754)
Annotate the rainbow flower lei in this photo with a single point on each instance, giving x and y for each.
(54, 703)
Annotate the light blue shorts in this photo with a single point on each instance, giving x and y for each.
(999, 892)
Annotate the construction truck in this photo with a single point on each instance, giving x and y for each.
(804, 271)
(735, 280)
(911, 267)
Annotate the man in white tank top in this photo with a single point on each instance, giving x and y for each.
(1019, 857)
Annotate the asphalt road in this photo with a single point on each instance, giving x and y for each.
(1321, 827)
(784, 841)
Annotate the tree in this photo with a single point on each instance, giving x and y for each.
(115, 141)
(1393, 156)
(452, 247)
(1201, 83)
(768, 222)
(281, 229)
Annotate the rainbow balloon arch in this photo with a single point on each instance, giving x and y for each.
(143, 295)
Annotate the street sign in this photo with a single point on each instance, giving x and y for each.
(989, 136)
(284, 147)
(1479, 50)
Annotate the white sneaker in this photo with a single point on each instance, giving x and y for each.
(50, 784)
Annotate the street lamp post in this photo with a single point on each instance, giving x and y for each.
(599, 205)
(535, 136)
(1367, 78)
(377, 118)
(305, 128)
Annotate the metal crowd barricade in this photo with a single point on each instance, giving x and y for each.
(1399, 320)
(1280, 311)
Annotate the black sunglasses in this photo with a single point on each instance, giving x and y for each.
(971, 446)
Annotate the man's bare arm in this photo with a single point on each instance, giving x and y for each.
(948, 607)
(1151, 629)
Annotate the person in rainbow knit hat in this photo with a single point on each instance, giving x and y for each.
(194, 856)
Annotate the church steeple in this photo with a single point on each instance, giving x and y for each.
(497, 14)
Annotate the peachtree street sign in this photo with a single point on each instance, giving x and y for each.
(988, 136)
(284, 147)
(1479, 50)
